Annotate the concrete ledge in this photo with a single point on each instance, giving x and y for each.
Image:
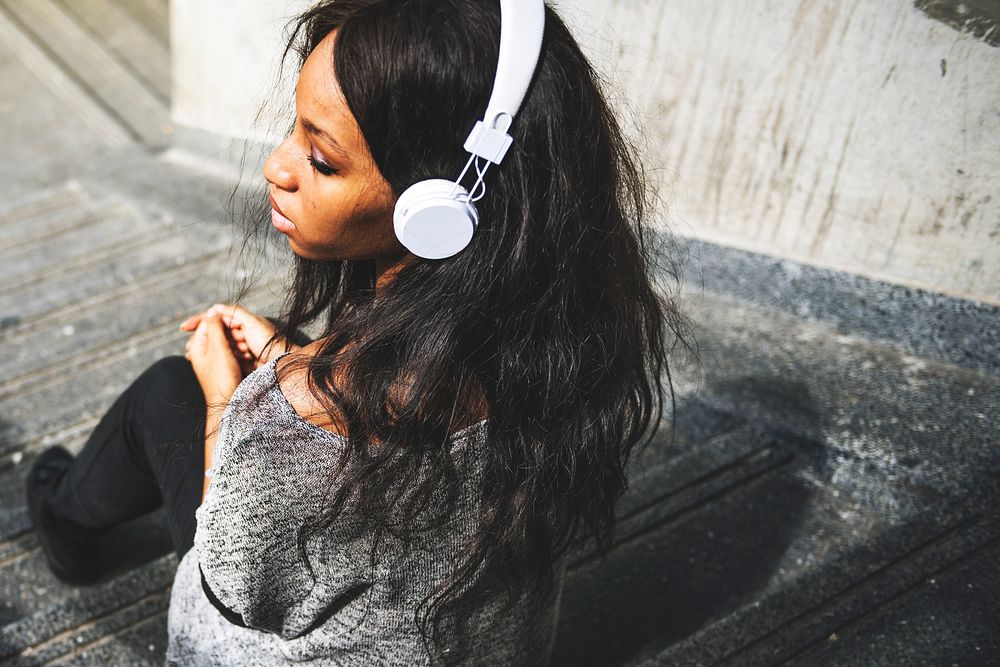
(926, 324)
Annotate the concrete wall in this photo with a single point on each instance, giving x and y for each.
(862, 135)
(223, 57)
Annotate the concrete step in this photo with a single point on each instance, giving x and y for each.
(877, 412)
(107, 232)
(87, 307)
(63, 255)
(947, 618)
(872, 595)
(854, 473)
(135, 636)
(751, 569)
(42, 87)
(93, 295)
(80, 624)
(99, 331)
(670, 564)
(63, 263)
(152, 15)
(35, 305)
(124, 35)
(39, 205)
(94, 64)
(93, 380)
(140, 645)
(15, 237)
(789, 619)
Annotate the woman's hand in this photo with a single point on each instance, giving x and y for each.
(249, 333)
(211, 355)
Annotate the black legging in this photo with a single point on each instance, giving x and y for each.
(147, 451)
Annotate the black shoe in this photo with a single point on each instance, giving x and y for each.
(69, 548)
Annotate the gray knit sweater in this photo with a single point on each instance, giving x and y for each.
(242, 596)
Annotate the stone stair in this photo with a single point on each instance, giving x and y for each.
(92, 291)
(108, 50)
(788, 534)
(830, 498)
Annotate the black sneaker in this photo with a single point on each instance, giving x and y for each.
(69, 548)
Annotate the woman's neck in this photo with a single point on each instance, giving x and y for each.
(387, 268)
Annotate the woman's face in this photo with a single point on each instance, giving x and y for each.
(327, 195)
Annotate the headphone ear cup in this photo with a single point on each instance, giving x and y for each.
(432, 222)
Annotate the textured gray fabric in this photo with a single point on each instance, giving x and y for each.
(267, 476)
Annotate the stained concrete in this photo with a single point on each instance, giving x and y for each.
(926, 324)
(979, 18)
(855, 135)
(841, 476)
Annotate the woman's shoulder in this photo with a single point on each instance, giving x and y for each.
(291, 380)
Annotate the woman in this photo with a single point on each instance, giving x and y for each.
(406, 488)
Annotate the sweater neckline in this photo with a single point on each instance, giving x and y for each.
(272, 368)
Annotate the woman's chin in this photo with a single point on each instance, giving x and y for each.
(323, 255)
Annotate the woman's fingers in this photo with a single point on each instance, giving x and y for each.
(233, 315)
(230, 312)
(248, 333)
(211, 333)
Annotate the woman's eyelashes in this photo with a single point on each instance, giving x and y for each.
(321, 166)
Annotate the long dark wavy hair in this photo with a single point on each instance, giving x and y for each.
(552, 313)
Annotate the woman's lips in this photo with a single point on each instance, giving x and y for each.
(278, 218)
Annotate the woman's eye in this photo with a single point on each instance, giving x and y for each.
(321, 167)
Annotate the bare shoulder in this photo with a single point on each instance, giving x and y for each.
(294, 385)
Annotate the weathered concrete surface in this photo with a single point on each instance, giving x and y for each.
(926, 324)
(862, 136)
(125, 96)
(872, 408)
(139, 45)
(979, 18)
(221, 78)
(840, 477)
(103, 249)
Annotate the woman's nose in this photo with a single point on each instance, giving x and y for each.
(278, 167)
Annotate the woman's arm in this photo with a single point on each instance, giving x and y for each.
(219, 374)
(247, 546)
(213, 418)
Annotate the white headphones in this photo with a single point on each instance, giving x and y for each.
(436, 218)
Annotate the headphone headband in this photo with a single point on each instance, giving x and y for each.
(522, 23)
(436, 218)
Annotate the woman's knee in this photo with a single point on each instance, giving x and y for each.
(172, 379)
